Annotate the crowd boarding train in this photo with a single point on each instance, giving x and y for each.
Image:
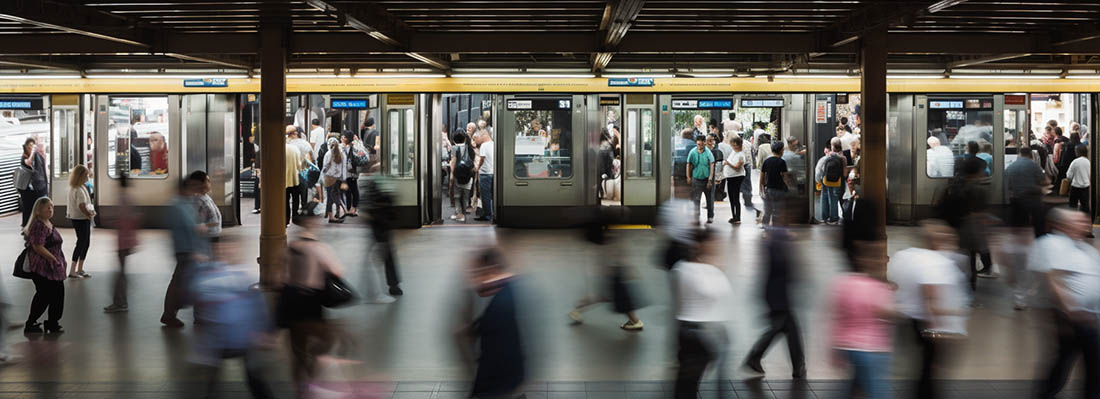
(547, 131)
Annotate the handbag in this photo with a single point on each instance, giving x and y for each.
(1063, 189)
(329, 180)
(22, 265)
(21, 177)
(337, 292)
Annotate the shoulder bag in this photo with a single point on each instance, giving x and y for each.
(22, 264)
(21, 176)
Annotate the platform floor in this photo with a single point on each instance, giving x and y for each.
(410, 340)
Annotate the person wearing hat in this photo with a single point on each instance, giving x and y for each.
(773, 186)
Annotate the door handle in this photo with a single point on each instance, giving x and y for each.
(521, 183)
(567, 183)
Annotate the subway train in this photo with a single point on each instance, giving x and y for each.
(547, 131)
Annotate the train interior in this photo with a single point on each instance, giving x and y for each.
(554, 152)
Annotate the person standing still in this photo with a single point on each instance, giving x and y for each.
(1079, 174)
(293, 167)
(773, 176)
(830, 173)
(80, 213)
(126, 226)
(46, 263)
(734, 169)
(486, 160)
(699, 162)
(34, 162)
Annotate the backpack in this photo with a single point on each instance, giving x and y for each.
(834, 170)
(464, 166)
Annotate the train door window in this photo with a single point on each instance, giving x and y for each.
(1015, 133)
(402, 141)
(639, 143)
(631, 153)
(88, 133)
(409, 142)
(544, 140)
(954, 126)
(137, 135)
(66, 135)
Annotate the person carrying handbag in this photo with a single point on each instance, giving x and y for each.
(356, 157)
(30, 179)
(335, 174)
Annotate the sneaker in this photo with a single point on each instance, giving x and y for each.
(731, 221)
(32, 328)
(710, 220)
(84, 274)
(173, 322)
(116, 309)
(576, 317)
(75, 275)
(396, 291)
(736, 222)
(632, 326)
(453, 217)
(799, 373)
(255, 211)
(1019, 306)
(381, 300)
(461, 220)
(752, 368)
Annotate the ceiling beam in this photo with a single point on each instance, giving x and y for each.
(382, 26)
(228, 61)
(618, 16)
(984, 60)
(41, 64)
(880, 15)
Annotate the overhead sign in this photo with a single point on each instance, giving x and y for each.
(619, 82)
(842, 98)
(761, 103)
(348, 103)
(542, 104)
(710, 103)
(208, 82)
(1015, 99)
(945, 104)
(401, 99)
(820, 113)
(21, 103)
(613, 100)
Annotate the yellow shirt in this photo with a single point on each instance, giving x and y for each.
(293, 165)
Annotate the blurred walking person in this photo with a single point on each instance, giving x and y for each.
(702, 290)
(231, 318)
(381, 221)
(622, 282)
(502, 363)
(189, 245)
(126, 227)
(1072, 269)
(781, 319)
(46, 263)
(931, 296)
(300, 308)
(80, 213)
(1024, 183)
(963, 206)
(862, 306)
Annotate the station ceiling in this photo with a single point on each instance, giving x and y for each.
(754, 37)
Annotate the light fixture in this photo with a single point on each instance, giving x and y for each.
(1094, 76)
(39, 77)
(396, 76)
(637, 75)
(521, 76)
(710, 75)
(1004, 77)
(888, 77)
(155, 76)
(815, 77)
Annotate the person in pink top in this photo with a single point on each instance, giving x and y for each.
(126, 226)
(861, 328)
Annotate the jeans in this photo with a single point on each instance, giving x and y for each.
(1027, 210)
(700, 344)
(870, 372)
(1079, 195)
(929, 353)
(119, 297)
(1075, 338)
(253, 371)
(48, 294)
(772, 204)
(351, 195)
(335, 198)
(176, 296)
(746, 188)
(698, 189)
(463, 194)
(293, 202)
(830, 203)
(83, 229)
(485, 188)
(781, 322)
(733, 187)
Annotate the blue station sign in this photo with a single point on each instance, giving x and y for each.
(638, 82)
(348, 103)
(18, 103)
(208, 82)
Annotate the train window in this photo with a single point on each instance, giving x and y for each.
(1015, 125)
(410, 144)
(647, 143)
(16, 126)
(137, 135)
(544, 144)
(394, 127)
(952, 126)
(639, 143)
(631, 143)
(65, 135)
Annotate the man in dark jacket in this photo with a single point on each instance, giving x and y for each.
(781, 318)
(501, 364)
(39, 186)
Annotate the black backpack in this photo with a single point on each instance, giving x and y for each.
(464, 166)
(834, 168)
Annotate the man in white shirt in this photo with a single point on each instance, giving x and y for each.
(316, 136)
(1072, 268)
(308, 156)
(1078, 175)
(940, 160)
(485, 163)
(846, 140)
(932, 294)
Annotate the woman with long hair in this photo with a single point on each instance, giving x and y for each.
(335, 172)
(80, 213)
(46, 263)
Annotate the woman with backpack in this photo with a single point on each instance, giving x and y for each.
(462, 175)
(335, 172)
(830, 173)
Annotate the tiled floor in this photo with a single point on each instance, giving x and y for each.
(130, 355)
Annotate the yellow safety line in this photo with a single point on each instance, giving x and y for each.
(630, 227)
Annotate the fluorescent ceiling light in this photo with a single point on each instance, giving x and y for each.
(710, 75)
(915, 77)
(814, 77)
(39, 76)
(314, 76)
(637, 75)
(519, 76)
(426, 75)
(1083, 76)
(155, 76)
(1004, 77)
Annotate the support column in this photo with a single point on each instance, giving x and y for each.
(272, 152)
(873, 128)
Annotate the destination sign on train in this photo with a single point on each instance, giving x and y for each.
(20, 104)
(348, 104)
(710, 103)
(208, 82)
(762, 103)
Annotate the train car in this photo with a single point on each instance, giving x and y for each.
(551, 133)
